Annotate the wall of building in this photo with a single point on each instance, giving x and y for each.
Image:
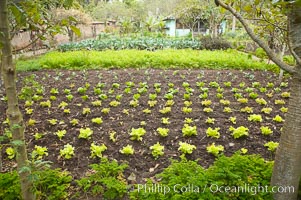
(22, 39)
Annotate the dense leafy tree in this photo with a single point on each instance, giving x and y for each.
(287, 168)
(34, 16)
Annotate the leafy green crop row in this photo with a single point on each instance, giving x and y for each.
(144, 43)
(166, 59)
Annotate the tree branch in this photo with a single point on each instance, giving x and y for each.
(260, 42)
(297, 58)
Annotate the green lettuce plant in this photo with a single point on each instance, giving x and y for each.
(188, 130)
(74, 122)
(232, 120)
(255, 118)
(210, 120)
(97, 120)
(97, 150)
(39, 152)
(11, 153)
(85, 133)
(278, 119)
(239, 132)
(186, 148)
(272, 146)
(215, 150)
(157, 150)
(163, 131)
(284, 109)
(266, 110)
(213, 132)
(127, 150)
(265, 130)
(67, 152)
(137, 133)
(60, 133)
(186, 110)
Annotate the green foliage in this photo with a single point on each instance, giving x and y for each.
(127, 150)
(215, 43)
(11, 153)
(60, 133)
(10, 186)
(272, 146)
(186, 148)
(236, 170)
(51, 184)
(137, 133)
(48, 184)
(213, 132)
(278, 119)
(67, 152)
(260, 53)
(255, 118)
(97, 120)
(215, 149)
(265, 130)
(157, 150)
(85, 133)
(106, 179)
(39, 152)
(229, 59)
(188, 130)
(96, 150)
(239, 132)
(163, 131)
(141, 43)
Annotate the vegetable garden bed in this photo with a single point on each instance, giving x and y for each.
(98, 113)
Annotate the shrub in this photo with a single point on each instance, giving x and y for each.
(107, 179)
(236, 170)
(215, 43)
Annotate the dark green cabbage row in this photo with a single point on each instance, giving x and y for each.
(143, 43)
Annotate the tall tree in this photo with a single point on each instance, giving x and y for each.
(287, 167)
(31, 15)
(13, 112)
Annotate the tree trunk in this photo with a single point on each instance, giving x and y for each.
(287, 168)
(13, 112)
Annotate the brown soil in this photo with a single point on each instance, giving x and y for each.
(142, 164)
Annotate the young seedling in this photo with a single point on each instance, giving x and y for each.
(157, 150)
(239, 132)
(39, 152)
(165, 120)
(265, 130)
(137, 133)
(127, 150)
(85, 133)
(67, 152)
(232, 120)
(278, 119)
(10, 152)
(96, 150)
(97, 120)
(215, 150)
(163, 131)
(272, 146)
(210, 120)
(266, 110)
(60, 133)
(255, 118)
(74, 122)
(186, 148)
(188, 130)
(213, 132)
